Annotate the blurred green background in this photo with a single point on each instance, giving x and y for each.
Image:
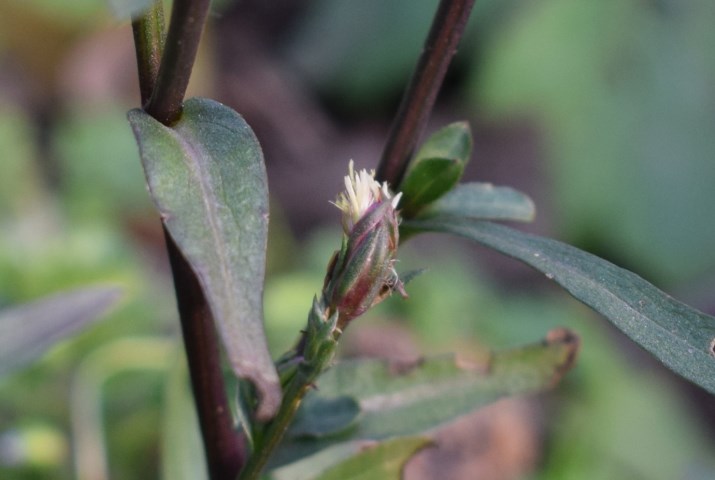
(603, 112)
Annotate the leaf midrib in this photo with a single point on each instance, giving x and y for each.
(186, 139)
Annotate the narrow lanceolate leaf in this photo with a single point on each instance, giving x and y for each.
(678, 335)
(408, 399)
(27, 331)
(207, 178)
(481, 201)
(325, 417)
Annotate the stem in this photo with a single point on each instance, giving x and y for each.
(162, 95)
(182, 43)
(417, 102)
(292, 397)
(149, 44)
(223, 446)
(302, 367)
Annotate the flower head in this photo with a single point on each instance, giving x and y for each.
(362, 273)
(362, 191)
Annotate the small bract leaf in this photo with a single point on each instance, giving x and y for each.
(207, 178)
(27, 331)
(427, 181)
(436, 167)
(453, 141)
(678, 335)
(482, 201)
(397, 399)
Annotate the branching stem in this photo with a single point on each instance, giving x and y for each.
(164, 71)
(182, 43)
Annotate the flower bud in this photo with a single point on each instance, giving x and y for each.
(362, 274)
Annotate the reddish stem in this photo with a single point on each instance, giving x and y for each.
(417, 102)
(163, 78)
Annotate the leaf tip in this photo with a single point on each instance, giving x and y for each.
(268, 388)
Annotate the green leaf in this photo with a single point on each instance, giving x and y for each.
(436, 168)
(397, 399)
(678, 335)
(453, 142)
(325, 417)
(383, 461)
(482, 201)
(21, 186)
(27, 331)
(355, 460)
(207, 178)
(308, 468)
(552, 61)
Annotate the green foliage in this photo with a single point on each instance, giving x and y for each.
(207, 177)
(367, 57)
(99, 180)
(20, 185)
(325, 417)
(678, 335)
(405, 399)
(92, 384)
(436, 167)
(618, 89)
(383, 461)
(355, 460)
(481, 201)
(614, 415)
(27, 331)
(182, 454)
(76, 13)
